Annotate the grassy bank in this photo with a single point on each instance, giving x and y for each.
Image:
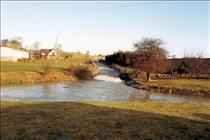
(37, 65)
(193, 87)
(194, 84)
(69, 120)
(34, 71)
(180, 85)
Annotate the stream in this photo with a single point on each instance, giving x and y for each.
(105, 87)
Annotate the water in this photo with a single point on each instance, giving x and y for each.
(104, 87)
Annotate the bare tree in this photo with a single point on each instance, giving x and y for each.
(47, 69)
(149, 56)
(16, 42)
(200, 65)
(195, 64)
(36, 45)
(87, 56)
(4, 42)
(87, 53)
(18, 39)
(172, 66)
(58, 51)
(35, 53)
(189, 62)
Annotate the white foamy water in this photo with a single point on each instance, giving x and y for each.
(107, 78)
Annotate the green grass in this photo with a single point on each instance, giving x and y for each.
(195, 84)
(182, 83)
(123, 69)
(32, 72)
(37, 65)
(88, 120)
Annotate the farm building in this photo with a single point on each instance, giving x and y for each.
(11, 54)
(48, 53)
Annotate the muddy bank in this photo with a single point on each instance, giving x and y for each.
(168, 90)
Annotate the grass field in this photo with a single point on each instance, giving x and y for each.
(181, 83)
(70, 120)
(29, 72)
(37, 65)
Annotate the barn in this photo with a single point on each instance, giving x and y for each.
(11, 54)
(48, 53)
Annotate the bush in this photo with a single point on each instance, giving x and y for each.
(80, 72)
(120, 58)
(47, 69)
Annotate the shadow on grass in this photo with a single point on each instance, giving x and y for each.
(60, 69)
(202, 116)
(36, 71)
(69, 120)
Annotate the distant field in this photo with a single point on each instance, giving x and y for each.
(38, 65)
(130, 121)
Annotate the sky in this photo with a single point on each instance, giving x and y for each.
(105, 27)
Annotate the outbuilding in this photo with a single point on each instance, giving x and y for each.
(11, 54)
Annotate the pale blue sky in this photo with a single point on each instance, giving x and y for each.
(105, 27)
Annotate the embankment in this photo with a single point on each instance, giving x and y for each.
(54, 75)
(168, 90)
(193, 87)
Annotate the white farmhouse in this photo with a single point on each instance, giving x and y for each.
(11, 54)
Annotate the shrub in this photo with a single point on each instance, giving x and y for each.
(120, 58)
(80, 72)
(47, 69)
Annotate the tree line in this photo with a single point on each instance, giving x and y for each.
(149, 56)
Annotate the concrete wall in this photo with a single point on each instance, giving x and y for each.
(10, 54)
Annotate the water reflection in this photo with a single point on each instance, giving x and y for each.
(135, 96)
(46, 91)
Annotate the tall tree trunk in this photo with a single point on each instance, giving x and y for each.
(148, 76)
(189, 75)
(199, 73)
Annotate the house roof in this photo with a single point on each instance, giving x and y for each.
(45, 51)
(5, 47)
